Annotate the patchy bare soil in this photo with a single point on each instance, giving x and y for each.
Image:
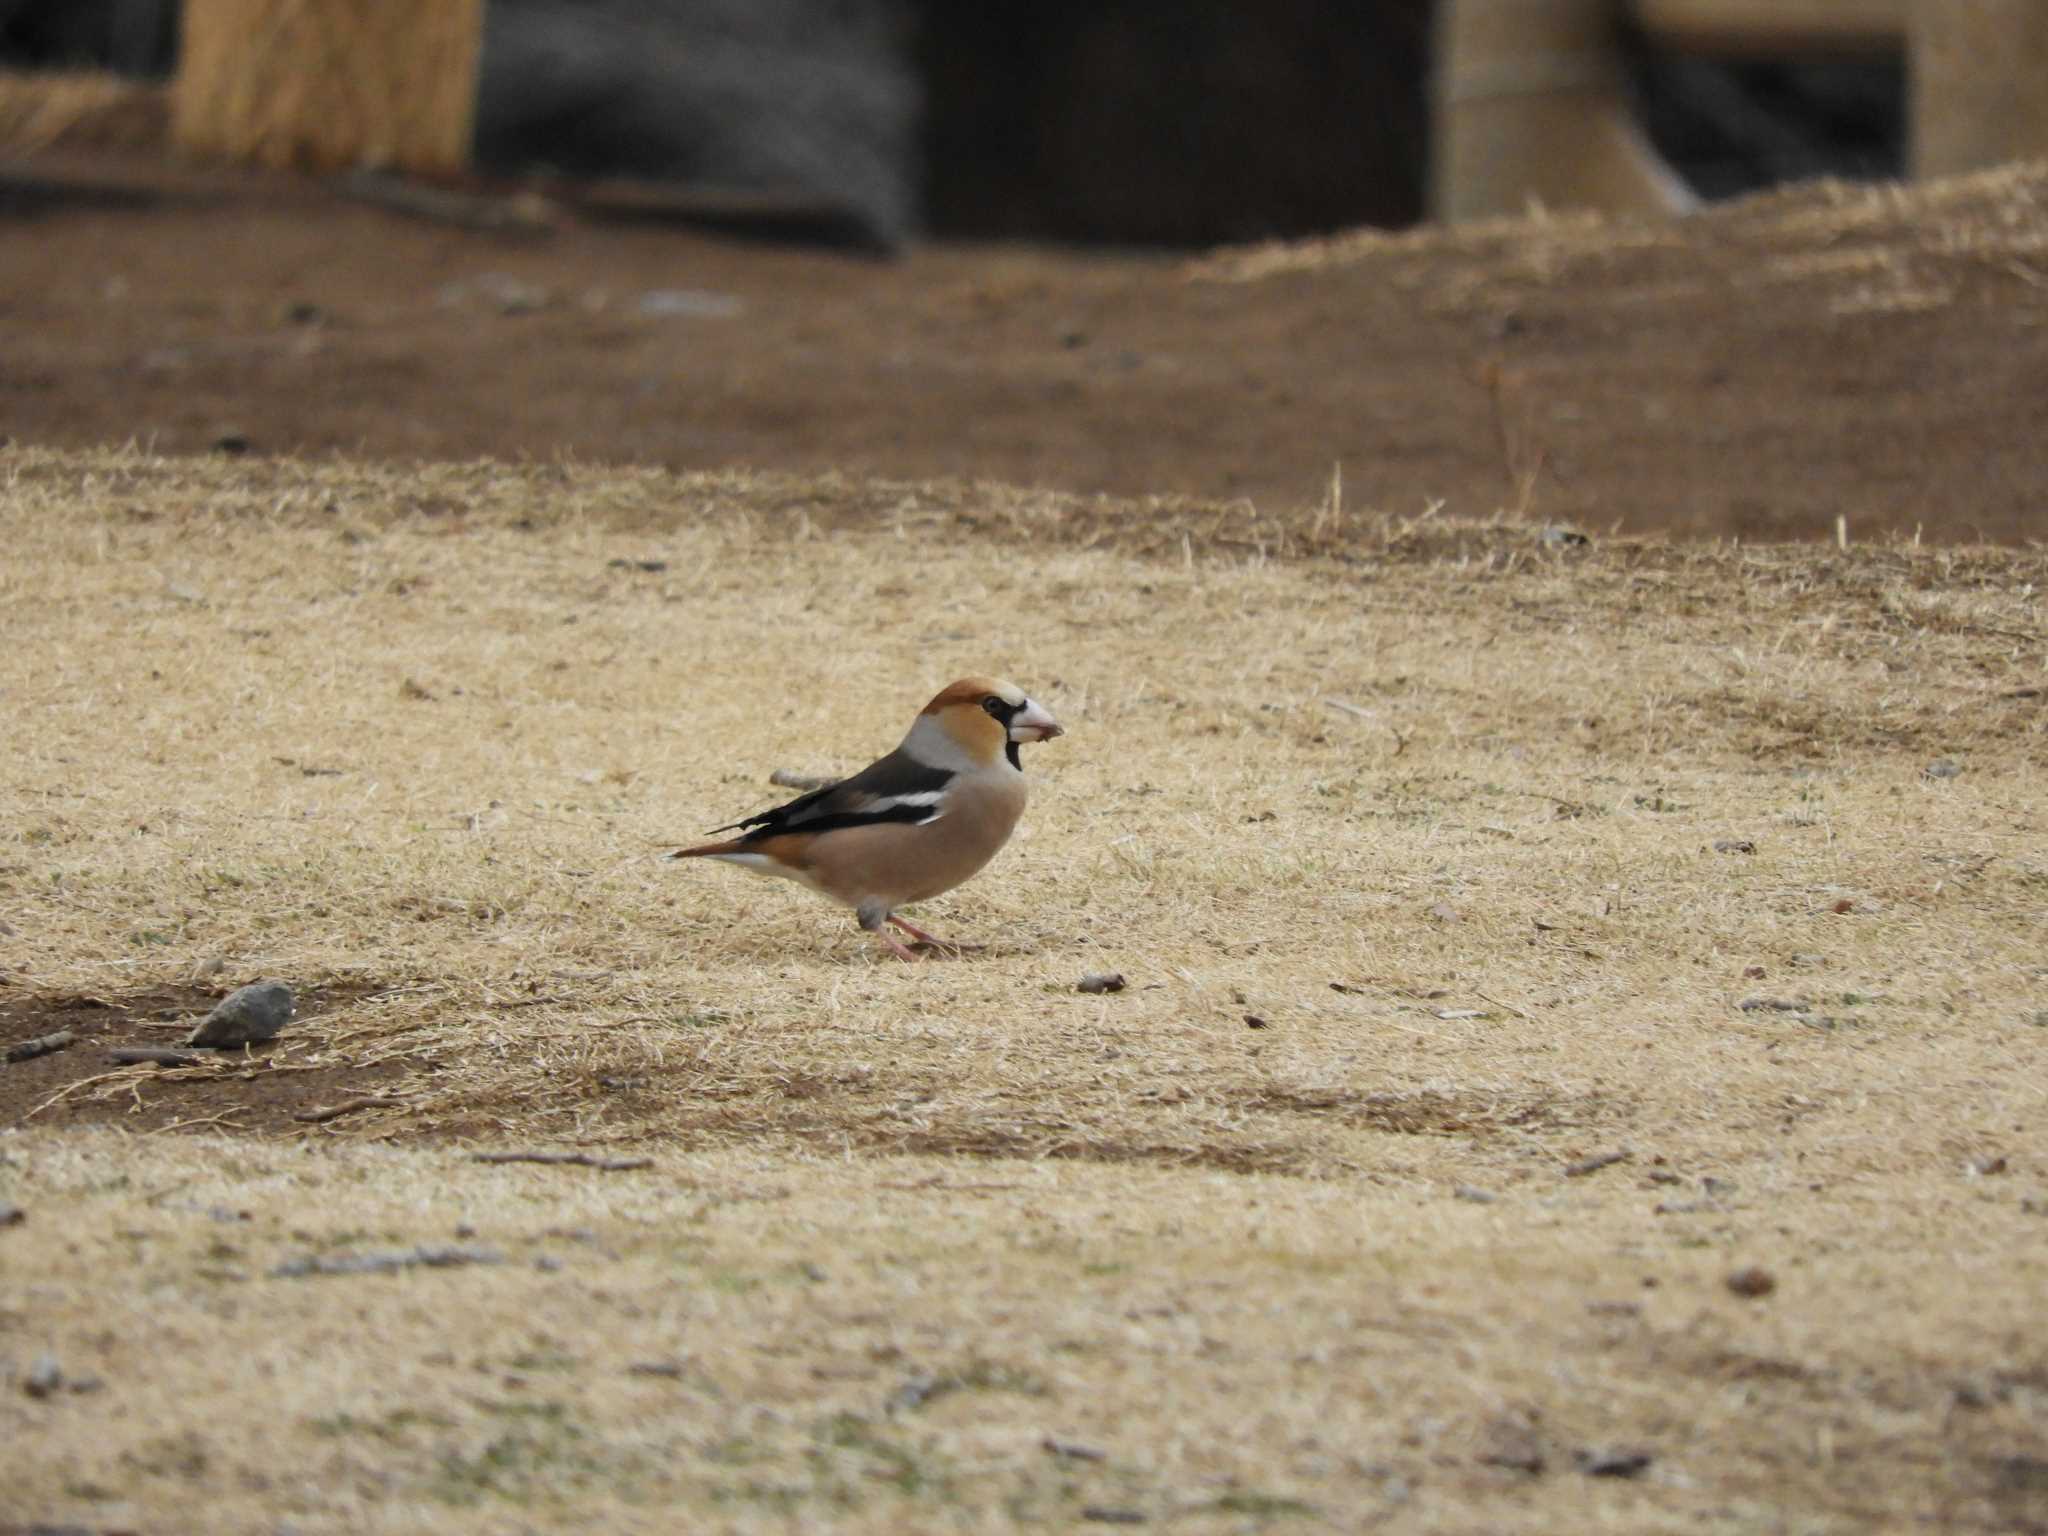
(260, 1088)
(1875, 355)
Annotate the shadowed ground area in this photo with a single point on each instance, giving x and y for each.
(1871, 353)
(1576, 1067)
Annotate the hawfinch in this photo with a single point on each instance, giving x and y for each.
(911, 825)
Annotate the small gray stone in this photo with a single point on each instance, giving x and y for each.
(246, 1015)
(916, 1391)
(1619, 1461)
(1510, 1440)
(1102, 981)
(1771, 1005)
(44, 1376)
(506, 293)
(1752, 1281)
(689, 303)
(1943, 768)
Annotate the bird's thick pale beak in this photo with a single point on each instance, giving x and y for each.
(1031, 723)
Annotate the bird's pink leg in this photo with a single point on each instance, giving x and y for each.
(897, 949)
(930, 938)
(873, 916)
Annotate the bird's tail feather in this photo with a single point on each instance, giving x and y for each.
(705, 850)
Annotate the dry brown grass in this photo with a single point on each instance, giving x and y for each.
(1859, 248)
(80, 110)
(1435, 804)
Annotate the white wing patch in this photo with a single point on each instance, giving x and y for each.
(935, 798)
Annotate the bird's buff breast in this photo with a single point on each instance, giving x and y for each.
(901, 864)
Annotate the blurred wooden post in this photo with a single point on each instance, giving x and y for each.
(329, 84)
(1529, 104)
(1766, 27)
(1980, 84)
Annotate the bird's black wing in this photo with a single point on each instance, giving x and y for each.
(896, 788)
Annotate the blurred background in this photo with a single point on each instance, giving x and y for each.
(1125, 122)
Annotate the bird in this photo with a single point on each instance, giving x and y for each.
(911, 825)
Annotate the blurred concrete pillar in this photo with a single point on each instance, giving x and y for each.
(1980, 83)
(329, 84)
(1528, 102)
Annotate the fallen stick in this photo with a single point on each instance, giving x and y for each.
(328, 1112)
(575, 1159)
(387, 1261)
(465, 210)
(1596, 1162)
(42, 1045)
(153, 1055)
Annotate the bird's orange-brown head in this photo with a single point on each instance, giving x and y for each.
(989, 718)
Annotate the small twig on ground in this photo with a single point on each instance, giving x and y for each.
(1557, 800)
(324, 1113)
(1520, 1013)
(1068, 1450)
(1596, 1162)
(389, 1261)
(524, 214)
(571, 1159)
(155, 1055)
(226, 1118)
(789, 778)
(70, 1088)
(42, 1045)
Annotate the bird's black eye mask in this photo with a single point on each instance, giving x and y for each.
(1003, 711)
